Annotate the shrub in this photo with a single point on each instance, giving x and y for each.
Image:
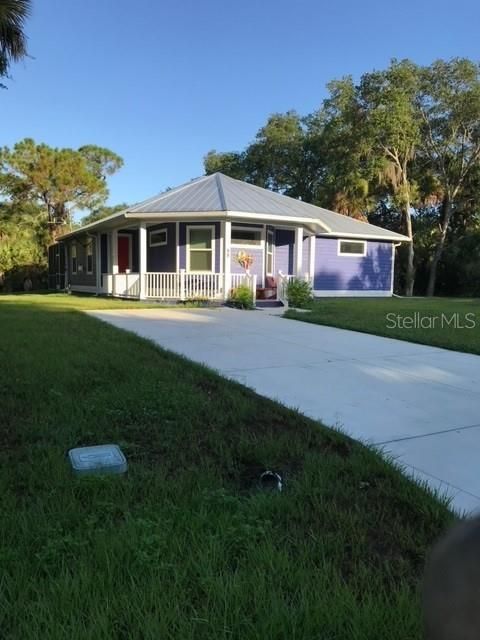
(241, 297)
(14, 279)
(198, 301)
(299, 293)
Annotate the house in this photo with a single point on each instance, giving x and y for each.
(184, 243)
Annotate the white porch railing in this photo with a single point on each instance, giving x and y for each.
(184, 286)
(124, 285)
(250, 280)
(237, 279)
(202, 285)
(163, 285)
(175, 286)
(282, 285)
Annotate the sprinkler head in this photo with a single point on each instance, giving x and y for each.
(270, 481)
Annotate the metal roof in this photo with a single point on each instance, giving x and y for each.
(200, 195)
(220, 193)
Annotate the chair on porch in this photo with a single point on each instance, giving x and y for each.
(269, 291)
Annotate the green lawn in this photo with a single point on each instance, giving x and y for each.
(60, 301)
(432, 319)
(183, 546)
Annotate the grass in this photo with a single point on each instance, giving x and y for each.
(76, 301)
(379, 316)
(184, 546)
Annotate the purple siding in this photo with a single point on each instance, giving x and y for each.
(163, 259)
(372, 272)
(257, 267)
(183, 242)
(284, 250)
(306, 256)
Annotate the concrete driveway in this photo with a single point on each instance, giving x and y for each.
(419, 403)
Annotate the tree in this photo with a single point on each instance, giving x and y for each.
(337, 137)
(101, 162)
(13, 42)
(23, 241)
(403, 143)
(275, 159)
(449, 105)
(391, 127)
(279, 158)
(230, 163)
(58, 179)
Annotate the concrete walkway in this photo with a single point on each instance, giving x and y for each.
(419, 403)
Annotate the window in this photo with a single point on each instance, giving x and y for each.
(200, 249)
(74, 258)
(352, 248)
(269, 253)
(242, 236)
(90, 257)
(158, 238)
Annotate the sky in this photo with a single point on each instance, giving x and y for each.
(162, 82)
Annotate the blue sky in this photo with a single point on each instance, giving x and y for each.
(162, 82)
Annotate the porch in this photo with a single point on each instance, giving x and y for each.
(181, 285)
(188, 260)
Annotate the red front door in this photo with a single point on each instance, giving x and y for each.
(123, 253)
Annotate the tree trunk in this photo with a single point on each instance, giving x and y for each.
(410, 273)
(57, 217)
(55, 231)
(446, 215)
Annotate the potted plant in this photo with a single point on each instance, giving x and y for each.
(242, 296)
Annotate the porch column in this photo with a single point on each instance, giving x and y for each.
(227, 239)
(114, 250)
(98, 263)
(311, 268)
(142, 259)
(298, 251)
(66, 264)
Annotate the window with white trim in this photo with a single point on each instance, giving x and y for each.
(90, 257)
(158, 237)
(73, 258)
(246, 237)
(356, 248)
(200, 249)
(269, 255)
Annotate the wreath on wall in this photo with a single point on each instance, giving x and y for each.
(245, 260)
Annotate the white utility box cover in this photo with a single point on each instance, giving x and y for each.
(103, 458)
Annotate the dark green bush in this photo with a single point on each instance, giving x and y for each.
(241, 297)
(14, 279)
(198, 301)
(299, 293)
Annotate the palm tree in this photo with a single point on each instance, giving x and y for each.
(13, 42)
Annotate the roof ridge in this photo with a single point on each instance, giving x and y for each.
(168, 192)
(221, 192)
